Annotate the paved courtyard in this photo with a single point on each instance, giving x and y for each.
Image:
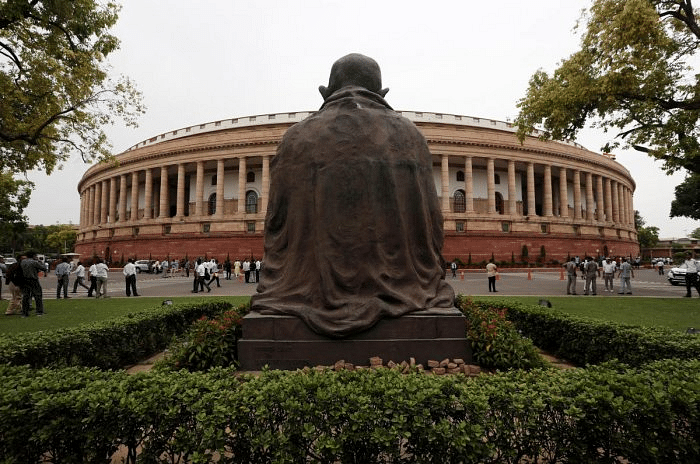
(646, 283)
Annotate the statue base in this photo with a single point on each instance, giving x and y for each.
(286, 342)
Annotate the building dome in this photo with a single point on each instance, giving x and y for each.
(202, 191)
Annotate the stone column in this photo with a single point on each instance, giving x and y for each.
(600, 195)
(615, 201)
(621, 202)
(112, 200)
(445, 183)
(199, 190)
(491, 185)
(164, 200)
(104, 202)
(135, 196)
(241, 184)
(512, 203)
(122, 198)
(563, 194)
(590, 216)
(630, 205)
(468, 185)
(531, 206)
(148, 195)
(265, 183)
(180, 195)
(91, 204)
(577, 194)
(220, 188)
(547, 194)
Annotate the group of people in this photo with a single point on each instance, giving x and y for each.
(591, 269)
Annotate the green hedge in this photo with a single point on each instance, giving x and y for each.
(601, 414)
(107, 345)
(590, 341)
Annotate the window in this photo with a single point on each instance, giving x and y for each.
(250, 227)
(206, 228)
(211, 204)
(499, 203)
(460, 226)
(213, 179)
(505, 226)
(460, 204)
(166, 229)
(251, 202)
(250, 177)
(544, 228)
(496, 179)
(460, 176)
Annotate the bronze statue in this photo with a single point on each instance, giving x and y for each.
(353, 231)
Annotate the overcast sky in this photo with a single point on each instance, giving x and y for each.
(208, 60)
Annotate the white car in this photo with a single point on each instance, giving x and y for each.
(676, 276)
(143, 265)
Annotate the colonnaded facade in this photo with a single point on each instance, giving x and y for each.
(203, 191)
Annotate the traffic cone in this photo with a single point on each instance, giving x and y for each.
(529, 274)
(561, 277)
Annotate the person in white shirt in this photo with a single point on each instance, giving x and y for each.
(164, 266)
(93, 279)
(101, 276)
(200, 271)
(130, 277)
(79, 277)
(691, 275)
(257, 270)
(246, 270)
(609, 274)
(214, 272)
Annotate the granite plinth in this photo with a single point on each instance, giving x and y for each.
(286, 342)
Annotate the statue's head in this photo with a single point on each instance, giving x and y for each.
(354, 70)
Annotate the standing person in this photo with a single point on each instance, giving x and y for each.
(592, 272)
(164, 264)
(571, 268)
(62, 275)
(691, 275)
(93, 279)
(492, 272)
(237, 268)
(609, 274)
(31, 287)
(14, 279)
(625, 272)
(79, 277)
(246, 270)
(101, 276)
(257, 270)
(227, 269)
(453, 267)
(130, 277)
(187, 268)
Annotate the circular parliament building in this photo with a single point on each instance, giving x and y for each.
(203, 191)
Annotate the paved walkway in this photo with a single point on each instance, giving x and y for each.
(519, 282)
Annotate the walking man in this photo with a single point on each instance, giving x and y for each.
(571, 267)
(101, 275)
(625, 272)
(31, 286)
(62, 275)
(691, 275)
(79, 277)
(130, 277)
(592, 272)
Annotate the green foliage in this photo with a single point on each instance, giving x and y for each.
(494, 340)
(109, 344)
(634, 74)
(687, 201)
(62, 240)
(210, 342)
(608, 413)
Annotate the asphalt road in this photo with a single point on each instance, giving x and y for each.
(646, 283)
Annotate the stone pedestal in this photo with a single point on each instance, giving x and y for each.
(285, 342)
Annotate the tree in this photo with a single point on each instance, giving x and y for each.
(633, 74)
(62, 239)
(687, 201)
(648, 236)
(14, 197)
(695, 233)
(57, 92)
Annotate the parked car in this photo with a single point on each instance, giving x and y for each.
(676, 276)
(143, 265)
(9, 261)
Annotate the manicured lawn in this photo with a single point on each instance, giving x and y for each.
(675, 313)
(64, 313)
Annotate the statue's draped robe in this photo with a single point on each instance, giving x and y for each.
(353, 232)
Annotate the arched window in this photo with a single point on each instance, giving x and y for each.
(251, 202)
(250, 177)
(499, 203)
(211, 204)
(460, 176)
(460, 204)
